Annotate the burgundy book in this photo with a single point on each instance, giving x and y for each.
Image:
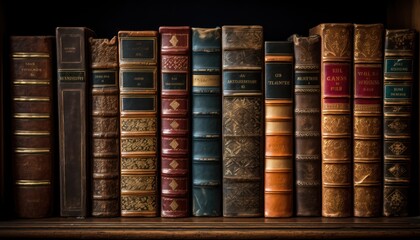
(175, 85)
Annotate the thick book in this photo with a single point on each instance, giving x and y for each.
(278, 176)
(175, 120)
(206, 122)
(336, 118)
(307, 119)
(32, 75)
(73, 114)
(243, 121)
(367, 119)
(105, 127)
(398, 146)
(138, 59)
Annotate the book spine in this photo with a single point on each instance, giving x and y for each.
(278, 189)
(138, 59)
(242, 121)
(32, 123)
(105, 127)
(307, 53)
(367, 119)
(73, 99)
(336, 118)
(206, 122)
(398, 113)
(175, 122)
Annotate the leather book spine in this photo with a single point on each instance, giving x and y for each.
(336, 118)
(138, 59)
(73, 99)
(398, 125)
(278, 189)
(206, 122)
(32, 72)
(175, 120)
(367, 119)
(243, 121)
(307, 110)
(105, 127)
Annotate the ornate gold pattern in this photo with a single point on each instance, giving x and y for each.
(174, 40)
(368, 126)
(337, 41)
(139, 124)
(105, 145)
(243, 116)
(397, 125)
(336, 124)
(174, 164)
(174, 205)
(337, 173)
(241, 197)
(139, 144)
(105, 206)
(140, 163)
(398, 170)
(242, 146)
(138, 183)
(105, 103)
(178, 63)
(106, 165)
(397, 148)
(250, 38)
(105, 125)
(336, 202)
(395, 200)
(106, 187)
(174, 144)
(367, 148)
(174, 124)
(336, 148)
(104, 52)
(367, 201)
(174, 104)
(401, 40)
(368, 43)
(367, 173)
(173, 184)
(250, 58)
(138, 203)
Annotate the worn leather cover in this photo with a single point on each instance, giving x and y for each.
(105, 127)
(307, 110)
(206, 122)
(32, 76)
(367, 119)
(175, 120)
(398, 122)
(243, 121)
(138, 59)
(336, 118)
(73, 118)
(278, 189)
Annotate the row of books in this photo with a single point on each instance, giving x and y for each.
(212, 122)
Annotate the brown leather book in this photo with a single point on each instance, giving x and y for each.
(175, 120)
(138, 59)
(32, 72)
(336, 118)
(278, 189)
(73, 98)
(367, 119)
(307, 52)
(105, 127)
(399, 68)
(243, 121)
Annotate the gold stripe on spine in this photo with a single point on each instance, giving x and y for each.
(277, 127)
(30, 115)
(31, 133)
(27, 82)
(30, 55)
(206, 80)
(271, 111)
(279, 164)
(32, 150)
(32, 99)
(278, 58)
(32, 182)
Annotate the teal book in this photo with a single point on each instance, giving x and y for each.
(206, 122)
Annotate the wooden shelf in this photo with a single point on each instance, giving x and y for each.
(213, 228)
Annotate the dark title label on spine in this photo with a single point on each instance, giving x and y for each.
(398, 65)
(104, 78)
(306, 78)
(71, 76)
(242, 80)
(138, 79)
(399, 92)
(278, 80)
(174, 81)
(145, 104)
(138, 48)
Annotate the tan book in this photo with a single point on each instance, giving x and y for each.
(336, 118)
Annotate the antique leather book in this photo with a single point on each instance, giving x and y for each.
(138, 59)
(243, 121)
(367, 119)
(398, 120)
(105, 127)
(206, 122)
(336, 118)
(307, 109)
(175, 125)
(32, 72)
(278, 188)
(73, 114)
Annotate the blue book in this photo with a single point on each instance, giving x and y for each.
(206, 122)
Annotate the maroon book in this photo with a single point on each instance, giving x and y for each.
(175, 76)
